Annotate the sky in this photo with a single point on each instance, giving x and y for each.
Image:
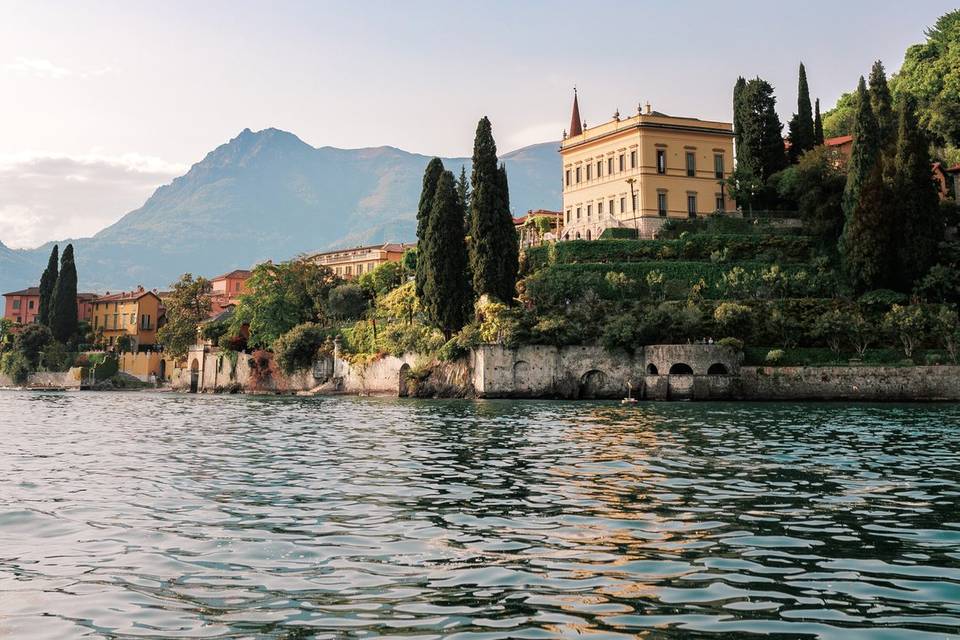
(103, 101)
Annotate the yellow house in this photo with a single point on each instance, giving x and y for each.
(351, 263)
(635, 172)
(131, 313)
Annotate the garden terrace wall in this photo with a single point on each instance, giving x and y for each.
(881, 384)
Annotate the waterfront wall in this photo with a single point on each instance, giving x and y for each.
(850, 383)
(71, 379)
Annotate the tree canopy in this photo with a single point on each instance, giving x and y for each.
(187, 306)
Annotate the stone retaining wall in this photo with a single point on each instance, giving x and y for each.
(850, 383)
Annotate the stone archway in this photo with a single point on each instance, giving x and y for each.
(163, 369)
(521, 376)
(717, 369)
(194, 376)
(403, 390)
(652, 370)
(592, 384)
(681, 369)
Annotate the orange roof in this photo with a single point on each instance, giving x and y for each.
(127, 295)
(837, 141)
(236, 273)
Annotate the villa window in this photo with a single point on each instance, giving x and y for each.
(633, 159)
(691, 164)
(633, 202)
(30, 305)
(589, 172)
(348, 270)
(600, 208)
(718, 166)
(692, 205)
(589, 211)
(623, 205)
(578, 213)
(661, 161)
(578, 175)
(16, 303)
(721, 205)
(662, 204)
(568, 177)
(599, 168)
(621, 162)
(610, 166)
(610, 208)
(568, 216)
(133, 318)
(116, 322)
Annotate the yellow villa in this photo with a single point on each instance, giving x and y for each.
(351, 263)
(131, 313)
(636, 172)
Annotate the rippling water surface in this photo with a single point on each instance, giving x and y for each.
(164, 516)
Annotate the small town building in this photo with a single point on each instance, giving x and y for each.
(638, 171)
(351, 263)
(134, 314)
(23, 307)
(841, 144)
(538, 226)
(226, 290)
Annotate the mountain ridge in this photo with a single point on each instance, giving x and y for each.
(270, 195)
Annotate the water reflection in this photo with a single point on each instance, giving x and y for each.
(136, 515)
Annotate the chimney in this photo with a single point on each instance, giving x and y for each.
(649, 109)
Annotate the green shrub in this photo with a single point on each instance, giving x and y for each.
(106, 369)
(734, 343)
(15, 365)
(882, 299)
(736, 319)
(618, 233)
(296, 349)
(774, 356)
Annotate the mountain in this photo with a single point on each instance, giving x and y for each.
(269, 195)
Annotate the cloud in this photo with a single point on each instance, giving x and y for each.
(40, 68)
(48, 196)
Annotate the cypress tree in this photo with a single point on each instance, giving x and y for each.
(494, 246)
(865, 154)
(817, 124)
(915, 196)
(882, 107)
(463, 192)
(63, 305)
(738, 90)
(868, 235)
(447, 295)
(430, 177)
(760, 153)
(48, 282)
(802, 130)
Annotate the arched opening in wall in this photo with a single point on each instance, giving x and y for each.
(592, 384)
(652, 369)
(717, 369)
(588, 235)
(681, 369)
(163, 369)
(403, 390)
(194, 376)
(521, 376)
(578, 235)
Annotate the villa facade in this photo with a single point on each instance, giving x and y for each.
(638, 171)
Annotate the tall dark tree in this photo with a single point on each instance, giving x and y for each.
(463, 192)
(430, 178)
(760, 153)
(48, 282)
(447, 296)
(882, 106)
(868, 236)
(63, 305)
(817, 124)
(494, 246)
(865, 154)
(738, 89)
(802, 137)
(915, 196)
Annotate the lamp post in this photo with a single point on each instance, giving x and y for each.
(633, 204)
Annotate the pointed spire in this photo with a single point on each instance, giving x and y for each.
(575, 128)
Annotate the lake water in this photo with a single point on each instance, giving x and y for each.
(164, 516)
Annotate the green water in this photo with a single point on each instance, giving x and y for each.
(163, 516)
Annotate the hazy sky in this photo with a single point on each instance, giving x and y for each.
(100, 102)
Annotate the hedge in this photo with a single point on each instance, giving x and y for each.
(724, 224)
(703, 247)
(621, 233)
(557, 283)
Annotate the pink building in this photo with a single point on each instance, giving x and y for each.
(23, 306)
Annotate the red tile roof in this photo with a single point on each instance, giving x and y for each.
(127, 295)
(32, 291)
(837, 141)
(236, 273)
